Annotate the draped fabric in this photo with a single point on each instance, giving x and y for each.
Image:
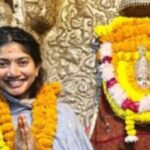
(109, 132)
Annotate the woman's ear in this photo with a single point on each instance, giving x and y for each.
(37, 70)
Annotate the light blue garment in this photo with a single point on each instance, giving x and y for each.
(69, 136)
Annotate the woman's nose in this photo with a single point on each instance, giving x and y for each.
(13, 70)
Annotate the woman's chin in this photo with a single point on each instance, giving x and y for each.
(16, 93)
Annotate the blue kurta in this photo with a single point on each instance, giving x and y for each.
(69, 135)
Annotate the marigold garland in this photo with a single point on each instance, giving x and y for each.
(129, 116)
(3, 145)
(121, 25)
(125, 71)
(125, 33)
(120, 93)
(45, 106)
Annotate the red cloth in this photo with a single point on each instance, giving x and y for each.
(109, 132)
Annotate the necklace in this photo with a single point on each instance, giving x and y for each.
(44, 116)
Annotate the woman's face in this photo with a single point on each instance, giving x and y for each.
(17, 70)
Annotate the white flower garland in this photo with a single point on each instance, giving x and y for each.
(117, 93)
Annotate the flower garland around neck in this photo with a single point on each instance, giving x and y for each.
(3, 145)
(45, 106)
(118, 54)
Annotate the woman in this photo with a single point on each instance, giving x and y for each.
(30, 118)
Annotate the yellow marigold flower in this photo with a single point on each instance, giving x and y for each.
(7, 126)
(131, 132)
(9, 135)
(2, 143)
(136, 55)
(102, 30)
(5, 118)
(129, 112)
(45, 142)
(56, 87)
(128, 56)
(129, 121)
(129, 127)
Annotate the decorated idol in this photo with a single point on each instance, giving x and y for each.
(124, 65)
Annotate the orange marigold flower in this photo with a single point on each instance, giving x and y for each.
(56, 87)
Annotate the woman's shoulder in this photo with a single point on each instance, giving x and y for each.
(65, 110)
(66, 120)
(64, 106)
(70, 134)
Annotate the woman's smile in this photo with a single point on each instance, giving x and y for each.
(15, 83)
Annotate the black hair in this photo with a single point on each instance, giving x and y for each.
(15, 34)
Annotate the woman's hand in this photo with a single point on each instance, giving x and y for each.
(23, 139)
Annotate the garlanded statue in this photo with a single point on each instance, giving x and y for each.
(142, 69)
(124, 56)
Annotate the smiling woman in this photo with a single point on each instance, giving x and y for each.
(31, 118)
(17, 70)
(18, 61)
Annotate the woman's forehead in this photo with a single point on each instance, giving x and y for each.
(12, 48)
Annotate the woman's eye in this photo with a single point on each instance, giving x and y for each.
(3, 64)
(23, 62)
